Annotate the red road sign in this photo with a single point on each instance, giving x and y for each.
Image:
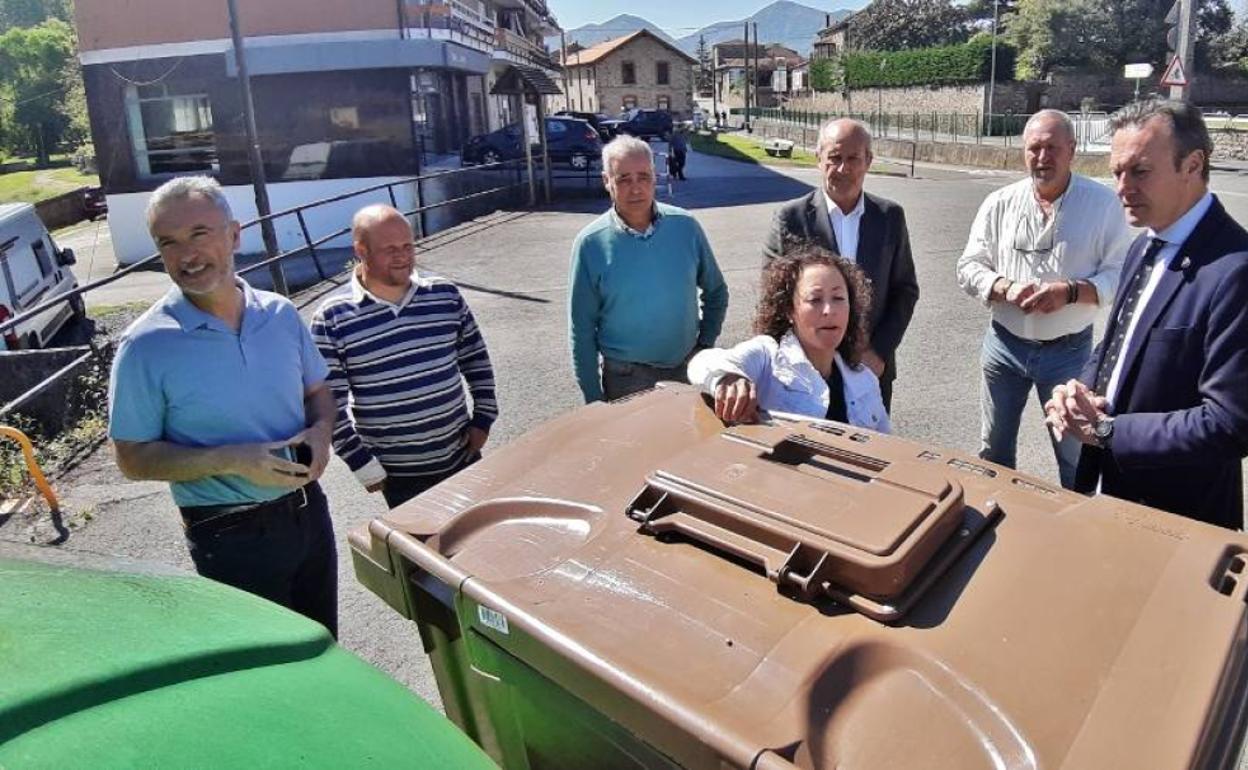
(1174, 74)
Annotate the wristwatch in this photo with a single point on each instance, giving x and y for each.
(1103, 431)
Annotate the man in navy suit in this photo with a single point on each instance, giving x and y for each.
(863, 228)
(1162, 407)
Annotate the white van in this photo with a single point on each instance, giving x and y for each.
(32, 270)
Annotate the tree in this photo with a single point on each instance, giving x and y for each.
(895, 25)
(1103, 34)
(31, 13)
(706, 68)
(33, 61)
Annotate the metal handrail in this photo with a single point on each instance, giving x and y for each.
(296, 210)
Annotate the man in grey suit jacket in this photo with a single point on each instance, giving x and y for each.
(863, 228)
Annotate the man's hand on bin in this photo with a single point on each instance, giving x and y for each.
(736, 399)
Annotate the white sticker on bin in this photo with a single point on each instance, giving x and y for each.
(492, 619)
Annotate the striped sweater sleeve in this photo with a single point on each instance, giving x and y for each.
(474, 365)
(346, 441)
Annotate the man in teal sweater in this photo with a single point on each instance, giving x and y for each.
(635, 280)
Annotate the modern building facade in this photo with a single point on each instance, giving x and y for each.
(637, 70)
(345, 94)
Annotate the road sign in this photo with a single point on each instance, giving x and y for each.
(1174, 74)
(1137, 71)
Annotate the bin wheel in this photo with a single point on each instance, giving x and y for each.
(490, 156)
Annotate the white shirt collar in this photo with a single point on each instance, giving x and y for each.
(623, 226)
(359, 292)
(835, 210)
(1181, 229)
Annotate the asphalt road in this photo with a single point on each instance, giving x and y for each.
(512, 267)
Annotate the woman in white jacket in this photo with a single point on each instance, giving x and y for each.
(811, 323)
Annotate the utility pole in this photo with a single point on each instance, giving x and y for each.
(253, 154)
(992, 77)
(1184, 14)
(563, 44)
(747, 77)
(757, 102)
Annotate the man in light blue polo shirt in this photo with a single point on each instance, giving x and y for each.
(219, 390)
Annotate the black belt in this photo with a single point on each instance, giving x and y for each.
(222, 515)
(1039, 343)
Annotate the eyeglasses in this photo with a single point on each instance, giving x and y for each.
(1035, 237)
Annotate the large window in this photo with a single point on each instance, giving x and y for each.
(662, 74)
(628, 73)
(170, 130)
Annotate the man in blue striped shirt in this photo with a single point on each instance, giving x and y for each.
(400, 347)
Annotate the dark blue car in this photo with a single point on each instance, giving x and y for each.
(568, 140)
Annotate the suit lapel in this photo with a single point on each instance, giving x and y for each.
(1190, 253)
(820, 223)
(870, 237)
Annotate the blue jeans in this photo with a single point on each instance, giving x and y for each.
(1012, 367)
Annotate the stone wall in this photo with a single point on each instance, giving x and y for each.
(1229, 145)
(1068, 90)
(950, 153)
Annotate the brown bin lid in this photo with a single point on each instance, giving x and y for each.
(1049, 630)
(814, 516)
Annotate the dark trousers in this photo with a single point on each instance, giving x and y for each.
(399, 489)
(624, 378)
(283, 552)
(676, 164)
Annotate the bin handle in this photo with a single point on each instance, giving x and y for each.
(785, 560)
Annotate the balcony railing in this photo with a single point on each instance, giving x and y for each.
(518, 45)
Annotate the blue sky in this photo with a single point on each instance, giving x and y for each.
(678, 18)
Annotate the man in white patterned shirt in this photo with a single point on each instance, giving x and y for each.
(400, 347)
(1044, 254)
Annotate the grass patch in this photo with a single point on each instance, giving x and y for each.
(748, 150)
(108, 312)
(34, 186)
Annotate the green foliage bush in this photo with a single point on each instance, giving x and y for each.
(969, 62)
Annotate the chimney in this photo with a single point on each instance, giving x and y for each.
(827, 20)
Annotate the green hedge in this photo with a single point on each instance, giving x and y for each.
(966, 63)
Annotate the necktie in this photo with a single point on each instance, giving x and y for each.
(1131, 301)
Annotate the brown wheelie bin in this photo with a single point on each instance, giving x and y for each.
(636, 585)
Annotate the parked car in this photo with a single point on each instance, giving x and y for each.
(643, 124)
(94, 203)
(594, 119)
(33, 270)
(568, 140)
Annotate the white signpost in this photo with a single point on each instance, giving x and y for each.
(1137, 72)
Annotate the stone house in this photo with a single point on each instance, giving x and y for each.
(769, 64)
(637, 70)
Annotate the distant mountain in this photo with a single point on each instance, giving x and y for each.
(791, 24)
(592, 34)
